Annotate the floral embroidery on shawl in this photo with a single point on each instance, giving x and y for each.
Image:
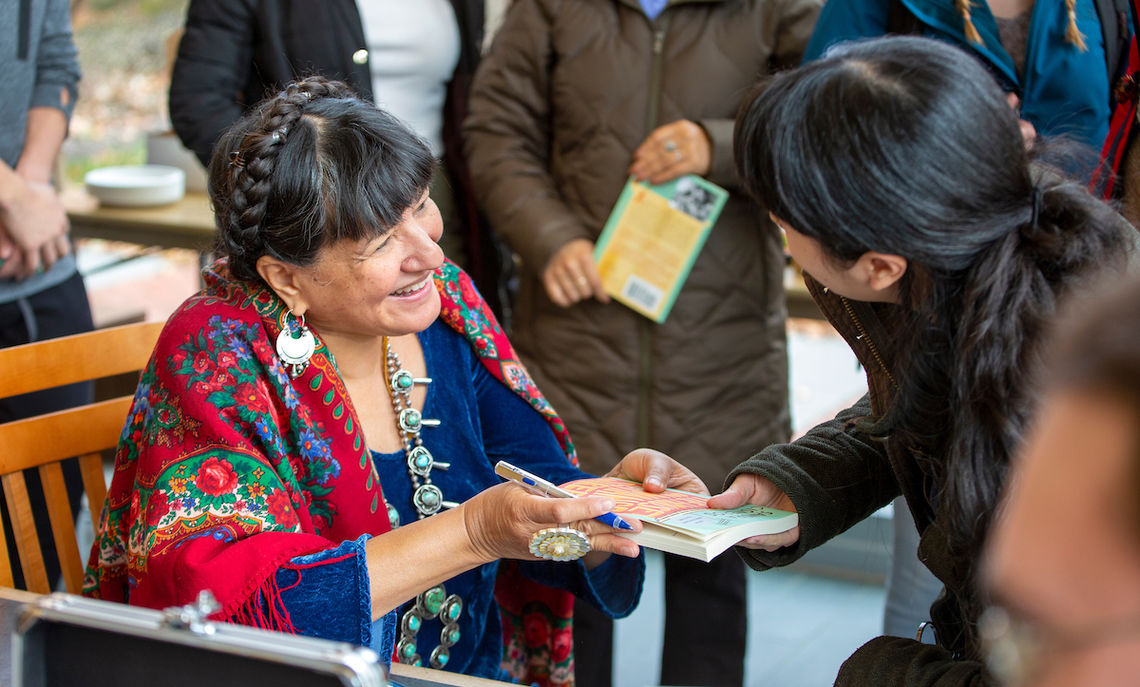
(220, 445)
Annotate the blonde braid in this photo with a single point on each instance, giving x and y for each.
(970, 30)
(1072, 34)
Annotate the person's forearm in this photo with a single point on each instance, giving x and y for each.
(46, 129)
(416, 556)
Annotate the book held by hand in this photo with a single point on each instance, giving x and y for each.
(653, 237)
(680, 522)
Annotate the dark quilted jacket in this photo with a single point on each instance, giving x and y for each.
(569, 89)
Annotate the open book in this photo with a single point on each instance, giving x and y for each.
(680, 522)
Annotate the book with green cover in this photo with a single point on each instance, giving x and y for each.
(652, 238)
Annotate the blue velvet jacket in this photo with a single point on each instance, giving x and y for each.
(482, 421)
(1063, 91)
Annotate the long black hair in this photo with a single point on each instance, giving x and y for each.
(907, 146)
(308, 167)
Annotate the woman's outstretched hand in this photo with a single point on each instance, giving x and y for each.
(758, 491)
(500, 522)
(656, 472)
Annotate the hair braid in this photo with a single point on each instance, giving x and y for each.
(310, 166)
(1072, 34)
(255, 160)
(972, 35)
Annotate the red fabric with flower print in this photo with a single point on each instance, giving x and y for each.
(227, 468)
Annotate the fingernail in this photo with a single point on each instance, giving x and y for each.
(653, 480)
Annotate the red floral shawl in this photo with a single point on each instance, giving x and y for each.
(220, 445)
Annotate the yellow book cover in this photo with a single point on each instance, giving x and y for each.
(653, 237)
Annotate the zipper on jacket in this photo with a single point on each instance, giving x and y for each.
(865, 338)
(660, 27)
(645, 326)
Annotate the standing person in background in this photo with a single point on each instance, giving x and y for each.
(41, 291)
(1050, 57)
(414, 59)
(572, 99)
(1057, 59)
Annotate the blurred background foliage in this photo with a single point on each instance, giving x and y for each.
(126, 48)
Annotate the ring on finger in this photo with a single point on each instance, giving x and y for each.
(670, 146)
(559, 544)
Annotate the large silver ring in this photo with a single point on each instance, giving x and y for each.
(559, 544)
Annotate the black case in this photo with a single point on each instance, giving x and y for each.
(64, 639)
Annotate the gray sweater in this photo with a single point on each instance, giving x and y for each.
(38, 60)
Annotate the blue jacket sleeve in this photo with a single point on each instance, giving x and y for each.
(327, 595)
(846, 20)
(515, 432)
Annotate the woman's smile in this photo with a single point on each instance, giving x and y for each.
(412, 290)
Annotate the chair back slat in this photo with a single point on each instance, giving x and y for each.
(62, 527)
(77, 358)
(95, 486)
(6, 578)
(63, 434)
(24, 532)
(45, 440)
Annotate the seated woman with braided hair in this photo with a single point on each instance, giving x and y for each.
(313, 440)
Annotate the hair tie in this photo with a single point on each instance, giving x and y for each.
(1036, 206)
(236, 159)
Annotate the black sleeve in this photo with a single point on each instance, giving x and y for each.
(836, 475)
(214, 60)
(899, 661)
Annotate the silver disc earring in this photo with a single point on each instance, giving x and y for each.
(295, 344)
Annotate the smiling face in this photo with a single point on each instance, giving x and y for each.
(369, 288)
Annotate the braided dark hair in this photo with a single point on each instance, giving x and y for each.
(308, 167)
(906, 146)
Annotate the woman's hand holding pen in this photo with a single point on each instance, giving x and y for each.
(501, 520)
(753, 489)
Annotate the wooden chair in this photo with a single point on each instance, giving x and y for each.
(45, 440)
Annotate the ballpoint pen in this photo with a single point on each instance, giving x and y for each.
(536, 483)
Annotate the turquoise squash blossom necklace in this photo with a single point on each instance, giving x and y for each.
(428, 500)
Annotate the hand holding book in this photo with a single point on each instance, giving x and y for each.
(681, 522)
(753, 489)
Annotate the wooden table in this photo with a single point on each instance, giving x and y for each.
(188, 223)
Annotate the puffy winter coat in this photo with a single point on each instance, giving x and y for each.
(568, 91)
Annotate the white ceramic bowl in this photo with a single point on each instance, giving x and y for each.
(136, 185)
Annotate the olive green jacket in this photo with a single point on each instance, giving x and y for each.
(837, 475)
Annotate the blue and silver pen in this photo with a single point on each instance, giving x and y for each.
(508, 471)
